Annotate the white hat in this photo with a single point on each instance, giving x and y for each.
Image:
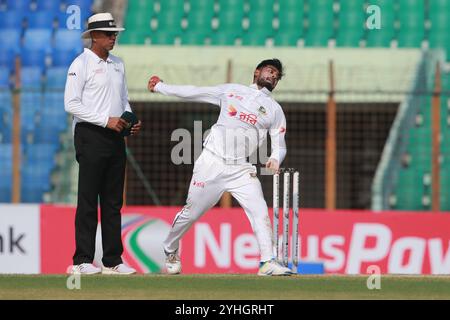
(102, 22)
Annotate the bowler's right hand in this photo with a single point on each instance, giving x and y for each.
(117, 124)
(154, 80)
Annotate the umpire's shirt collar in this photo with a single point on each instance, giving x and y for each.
(95, 56)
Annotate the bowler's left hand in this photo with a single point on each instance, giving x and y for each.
(136, 128)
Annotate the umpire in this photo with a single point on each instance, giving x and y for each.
(96, 95)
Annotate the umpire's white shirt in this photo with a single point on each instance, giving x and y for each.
(246, 115)
(96, 89)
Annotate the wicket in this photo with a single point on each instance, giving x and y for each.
(283, 256)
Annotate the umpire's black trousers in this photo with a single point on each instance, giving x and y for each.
(101, 155)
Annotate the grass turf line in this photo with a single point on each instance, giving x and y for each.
(223, 287)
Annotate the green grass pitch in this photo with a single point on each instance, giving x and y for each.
(223, 287)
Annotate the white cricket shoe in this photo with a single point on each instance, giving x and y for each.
(173, 263)
(120, 269)
(84, 268)
(273, 268)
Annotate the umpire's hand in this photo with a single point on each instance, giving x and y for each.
(116, 124)
(136, 128)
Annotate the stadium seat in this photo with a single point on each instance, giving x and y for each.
(53, 117)
(54, 101)
(140, 21)
(38, 39)
(34, 58)
(194, 38)
(4, 78)
(134, 37)
(317, 38)
(286, 39)
(291, 5)
(41, 20)
(254, 39)
(224, 38)
(30, 104)
(320, 23)
(348, 38)
(200, 21)
(7, 59)
(63, 58)
(56, 78)
(163, 38)
(12, 20)
(22, 5)
(10, 39)
(140, 5)
(49, 5)
(230, 21)
(202, 6)
(170, 21)
(5, 171)
(440, 40)
(261, 21)
(31, 78)
(68, 40)
(38, 152)
(47, 134)
(410, 39)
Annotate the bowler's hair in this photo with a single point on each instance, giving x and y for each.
(274, 63)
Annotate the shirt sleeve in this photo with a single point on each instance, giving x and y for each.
(76, 79)
(277, 136)
(125, 98)
(192, 93)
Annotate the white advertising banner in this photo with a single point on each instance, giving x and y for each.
(19, 238)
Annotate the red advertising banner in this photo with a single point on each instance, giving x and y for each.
(222, 241)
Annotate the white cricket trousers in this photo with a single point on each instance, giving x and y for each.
(210, 179)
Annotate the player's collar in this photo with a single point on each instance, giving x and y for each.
(264, 89)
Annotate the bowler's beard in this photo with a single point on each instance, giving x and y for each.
(264, 84)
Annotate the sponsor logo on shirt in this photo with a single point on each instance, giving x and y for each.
(232, 111)
(248, 117)
(98, 71)
(235, 96)
(262, 110)
(72, 74)
(199, 184)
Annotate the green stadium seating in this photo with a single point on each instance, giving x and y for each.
(140, 20)
(172, 5)
(140, 5)
(317, 38)
(163, 38)
(410, 39)
(287, 39)
(349, 38)
(194, 38)
(224, 38)
(200, 21)
(254, 38)
(170, 21)
(231, 21)
(291, 22)
(134, 37)
(440, 21)
(351, 6)
(261, 21)
(321, 16)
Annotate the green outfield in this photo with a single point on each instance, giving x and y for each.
(249, 287)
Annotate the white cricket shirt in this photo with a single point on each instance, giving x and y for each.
(246, 115)
(96, 89)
